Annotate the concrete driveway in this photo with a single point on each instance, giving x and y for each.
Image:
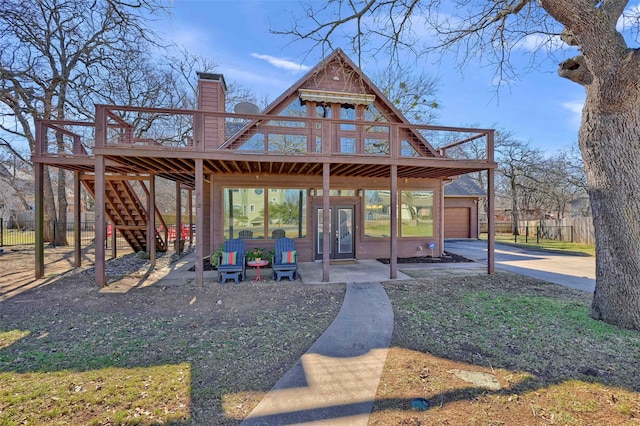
(577, 272)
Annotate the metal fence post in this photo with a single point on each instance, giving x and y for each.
(526, 233)
(571, 233)
(538, 234)
(1, 232)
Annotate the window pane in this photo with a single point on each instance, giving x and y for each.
(288, 213)
(377, 213)
(255, 143)
(323, 111)
(376, 146)
(371, 113)
(406, 150)
(287, 143)
(347, 112)
(295, 109)
(416, 214)
(244, 213)
(348, 145)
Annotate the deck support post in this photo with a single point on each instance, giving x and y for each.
(212, 217)
(199, 221)
(190, 209)
(100, 187)
(393, 249)
(491, 222)
(151, 219)
(39, 201)
(326, 222)
(77, 234)
(176, 243)
(491, 217)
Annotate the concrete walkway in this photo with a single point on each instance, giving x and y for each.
(336, 380)
(360, 271)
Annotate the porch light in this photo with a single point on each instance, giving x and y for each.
(312, 192)
(360, 193)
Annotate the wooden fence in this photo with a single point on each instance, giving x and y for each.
(577, 229)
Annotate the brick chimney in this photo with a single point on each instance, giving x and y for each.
(212, 91)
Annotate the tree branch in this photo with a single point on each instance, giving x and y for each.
(576, 70)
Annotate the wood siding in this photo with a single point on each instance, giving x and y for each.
(365, 247)
(212, 98)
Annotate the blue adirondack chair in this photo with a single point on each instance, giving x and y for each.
(285, 263)
(236, 268)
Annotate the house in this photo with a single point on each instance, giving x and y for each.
(461, 208)
(330, 163)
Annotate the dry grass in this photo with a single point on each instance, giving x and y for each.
(205, 356)
(555, 365)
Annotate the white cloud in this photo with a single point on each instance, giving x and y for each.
(534, 42)
(282, 63)
(575, 108)
(258, 80)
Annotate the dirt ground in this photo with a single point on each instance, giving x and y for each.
(555, 364)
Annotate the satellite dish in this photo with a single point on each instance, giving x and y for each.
(246, 108)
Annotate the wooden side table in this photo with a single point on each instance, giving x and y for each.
(257, 265)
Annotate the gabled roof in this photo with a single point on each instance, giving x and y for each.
(334, 75)
(463, 186)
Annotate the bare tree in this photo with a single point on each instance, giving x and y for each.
(54, 54)
(561, 183)
(15, 187)
(606, 66)
(519, 168)
(414, 94)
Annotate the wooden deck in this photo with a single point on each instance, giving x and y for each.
(136, 144)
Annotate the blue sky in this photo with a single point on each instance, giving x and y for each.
(539, 107)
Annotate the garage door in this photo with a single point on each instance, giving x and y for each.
(457, 222)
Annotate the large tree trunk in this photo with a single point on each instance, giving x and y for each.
(609, 141)
(63, 205)
(49, 209)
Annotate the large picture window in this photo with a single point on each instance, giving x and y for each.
(377, 217)
(416, 214)
(244, 213)
(287, 214)
(245, 216)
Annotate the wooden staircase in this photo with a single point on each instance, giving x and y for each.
(126, 212)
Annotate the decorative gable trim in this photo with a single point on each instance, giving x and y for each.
(336, 97)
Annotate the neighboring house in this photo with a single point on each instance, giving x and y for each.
(331, 163)
(461, 201)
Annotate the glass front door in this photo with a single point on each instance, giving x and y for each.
(341, 231)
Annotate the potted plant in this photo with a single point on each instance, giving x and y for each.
(255, 254)
(270, 255)
(216, 255)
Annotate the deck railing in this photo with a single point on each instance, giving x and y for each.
(200, 131)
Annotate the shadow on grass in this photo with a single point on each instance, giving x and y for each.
(136, 357)
(153, 355)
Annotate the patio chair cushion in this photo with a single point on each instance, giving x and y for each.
(229, 258)
(289, 256)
